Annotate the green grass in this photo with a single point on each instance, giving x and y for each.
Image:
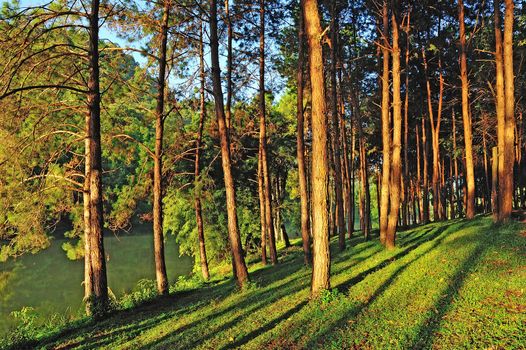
(453, 285)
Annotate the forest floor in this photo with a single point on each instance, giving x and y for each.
(451, 285)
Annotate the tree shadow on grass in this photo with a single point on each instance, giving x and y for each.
(204, 329)
(439, 237)
(127, 324)
(429, 328)
(415, 243)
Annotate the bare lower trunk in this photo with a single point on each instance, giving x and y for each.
(397, 140)
(263, 137)
(386, 129)
(494, 184)
(304, 195)
(419, 178)
(197, 200)
(509, 130)
(158, 239)
(466, 118)
(262, 215)
(240, 268)
(320, 231)
(340, 222)
(425, 172)
(88, 275)
(99, 300)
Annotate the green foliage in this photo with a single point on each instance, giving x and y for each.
(328, 296)
(144, 291)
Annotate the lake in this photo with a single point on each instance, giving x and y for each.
(51, 283)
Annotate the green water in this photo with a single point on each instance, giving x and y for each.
(51, 284)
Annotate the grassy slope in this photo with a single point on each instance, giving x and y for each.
(449, 285)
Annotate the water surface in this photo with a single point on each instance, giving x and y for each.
(51, 283)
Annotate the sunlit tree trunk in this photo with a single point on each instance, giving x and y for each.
(405, 210)
(99, 300)
(425, 172)
(419, 177)
(300, 144)
(494, 184)
(500, 105)
(386, 128)
(335, 138)
(435, 137)
(158, 239)
(466, 118)
(320, 163)
(262, 215)
(509, 130)
(197, 189)
(397, 137)
(240, 268)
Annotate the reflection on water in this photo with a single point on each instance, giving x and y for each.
(50, 283)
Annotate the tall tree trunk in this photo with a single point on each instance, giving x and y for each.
(405, 211)
(158, 239)
(335, 138)
(263, 136)
(509, 130)
(304, 195)
(425, 172)
(487, 192)
(500, 105)
(348, 200)
(320, 163)
(494, 184)
(197, 199)
(397, 137)
(386, 128)
(458, 204)
(435, 137)
(229, 68)
(240, 268)
(88, 275)
(466, 118)
(99, 300)
(262, 215)
(419, 177)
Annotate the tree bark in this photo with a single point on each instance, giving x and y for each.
(435, 137)
(197, 200)
(240, 268)
(335, 138)
(405, 211)
(304, 196)
(229, 68)
(88, 275)
(509, 130)
(500, 105)
(466, 118)
(419, 178)
(425, 172)
(494, 184)
(262, 215)
(263, 137)
(320, 163)
(397, 138)
(158, 239)
(386, 129)
(99, 300)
